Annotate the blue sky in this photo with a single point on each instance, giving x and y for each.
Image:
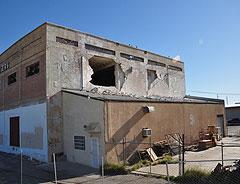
(206, 34)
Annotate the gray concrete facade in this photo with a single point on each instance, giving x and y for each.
(73, 58)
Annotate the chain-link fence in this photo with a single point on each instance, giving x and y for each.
(149, 162)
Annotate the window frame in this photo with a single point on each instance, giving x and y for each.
(34, 72)
(9, 82)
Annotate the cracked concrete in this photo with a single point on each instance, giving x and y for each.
(68, 66)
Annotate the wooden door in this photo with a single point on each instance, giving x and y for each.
(14, 131)
(220, 124)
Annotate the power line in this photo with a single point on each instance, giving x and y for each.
(215, 93)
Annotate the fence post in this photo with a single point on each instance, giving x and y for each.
(102, 170)
(123, 142)
(21, 167)
(183, 153)
(222, 152)
(167, 172)
(55, 167)
(150, 154)
(179, 159)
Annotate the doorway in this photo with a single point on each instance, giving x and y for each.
(14, 131)
(95, 161)
(220, 124)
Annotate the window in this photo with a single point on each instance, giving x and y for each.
(99, 49)
(151, 62)
(79, 142)
(32, 69)
(67, 41)
(4, 67)
(174, 68)
(12, 78)
(131, 57)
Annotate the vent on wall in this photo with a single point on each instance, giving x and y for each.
(146, 132)
(151, 62)
(66, 41)
(79, 142)
(99, 49)
(174, 68)
(131, 57)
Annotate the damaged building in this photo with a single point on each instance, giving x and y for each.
(77, 95)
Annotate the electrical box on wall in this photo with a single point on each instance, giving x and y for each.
(146, 132)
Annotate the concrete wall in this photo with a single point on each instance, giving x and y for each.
(77, 112)
(126, 119)
(68, 66)
(55, 125)
(33, 131)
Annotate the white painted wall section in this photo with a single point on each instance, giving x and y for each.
(31, 117)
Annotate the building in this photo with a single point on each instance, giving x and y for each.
(74, 94)
(233, 120)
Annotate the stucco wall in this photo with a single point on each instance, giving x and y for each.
(77, 112)
(33, 131)
(126, 119)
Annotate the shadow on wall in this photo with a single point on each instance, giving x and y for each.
(129, 153)
(122, 133)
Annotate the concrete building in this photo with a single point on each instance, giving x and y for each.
(233, 120)
(74, 94)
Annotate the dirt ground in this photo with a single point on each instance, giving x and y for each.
(207, 159)
(67, 172)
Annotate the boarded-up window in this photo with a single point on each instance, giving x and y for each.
(79, 142)
(12, 78)
(32, 69)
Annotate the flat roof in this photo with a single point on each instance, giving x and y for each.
(235, 106)
(98, 37)
(109, 96)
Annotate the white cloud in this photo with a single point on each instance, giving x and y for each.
(177, 58)
(200, 41)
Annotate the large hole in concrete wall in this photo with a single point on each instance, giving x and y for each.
(151, 76)
(103, 71)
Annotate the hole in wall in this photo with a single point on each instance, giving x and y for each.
(103, 71)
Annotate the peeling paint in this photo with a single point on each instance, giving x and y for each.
(32, 140)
